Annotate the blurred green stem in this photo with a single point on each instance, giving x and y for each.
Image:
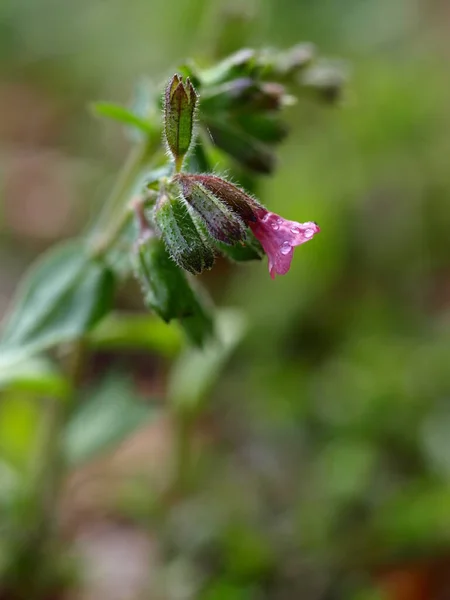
(182, 452)
(114, 215)
(38, 555)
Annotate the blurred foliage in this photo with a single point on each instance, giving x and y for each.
(320, 464)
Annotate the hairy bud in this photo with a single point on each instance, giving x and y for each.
(183, 239)
(221, 220)
(241, 203)
(180, 101)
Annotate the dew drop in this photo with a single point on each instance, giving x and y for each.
(275, 226)
(295, 230)
(285, 248)
(308, 233)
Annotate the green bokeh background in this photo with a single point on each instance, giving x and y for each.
(331, 456)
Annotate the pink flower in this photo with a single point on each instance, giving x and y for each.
(279, 237)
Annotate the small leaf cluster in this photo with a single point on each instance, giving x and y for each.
(233, 108)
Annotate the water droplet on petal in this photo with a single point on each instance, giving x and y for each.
(309, 233)
(265, 218)
(285, 248)
(295, 230)
(275, 226)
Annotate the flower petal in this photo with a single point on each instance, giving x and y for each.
(279, 237)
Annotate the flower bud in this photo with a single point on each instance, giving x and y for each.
(245, 94)
(228, 95)
(222, 222)
(184, 241)
(238, 201)
(326, 79)
(167, 291)
(286, 64)
(180, 101)
(240, 64)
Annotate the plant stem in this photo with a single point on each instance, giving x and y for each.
(114, 215)
(39, 556)
(182, 451)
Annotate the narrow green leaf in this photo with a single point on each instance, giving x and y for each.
(123, 115)
(111, 413)
(61, 298)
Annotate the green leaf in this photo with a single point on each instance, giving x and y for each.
(123, 115)
(196, 370)
(144, 107)
(167, 291)
(37, 375)
(136, 331)
(61, 298)
(111, 413)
